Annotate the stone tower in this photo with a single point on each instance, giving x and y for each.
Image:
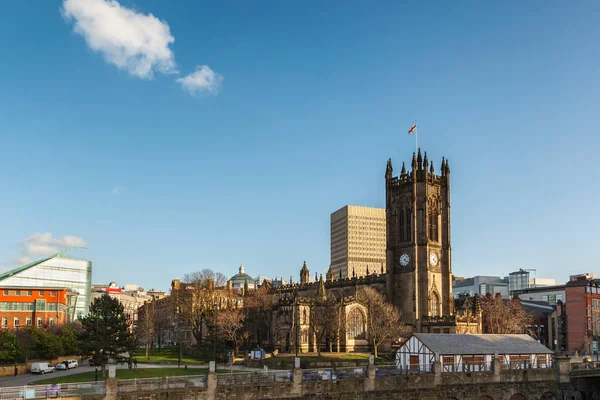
(419, 261)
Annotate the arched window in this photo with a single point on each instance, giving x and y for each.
(434, 305)
(407, 234)
(433, 226)
(356, 324)
(402, 237)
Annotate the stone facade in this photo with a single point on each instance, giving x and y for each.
(417, 280)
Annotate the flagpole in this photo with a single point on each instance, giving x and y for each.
(416, 137)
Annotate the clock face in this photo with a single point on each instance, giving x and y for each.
(404, 259)
(433, 259)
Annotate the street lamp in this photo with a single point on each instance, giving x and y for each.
(16, 349)
(216, 331)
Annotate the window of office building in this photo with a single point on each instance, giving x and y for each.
(27, 321)
(41, 292)
(17, 293)
(17, 322)
(4, 322)
(51, 321)
(40, 323)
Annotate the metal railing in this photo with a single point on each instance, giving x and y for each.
(585, 365)
(253, 378)
(389, 370)
(166, 383)
(324, 374)
(50, 391)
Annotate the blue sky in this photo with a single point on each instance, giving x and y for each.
(109, 138)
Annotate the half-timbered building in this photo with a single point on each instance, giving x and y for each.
(456, 352)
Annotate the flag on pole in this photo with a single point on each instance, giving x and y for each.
(412, 128)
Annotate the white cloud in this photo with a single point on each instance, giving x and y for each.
(131, 40)
(203, 79)
(44, 244)
(117, 189)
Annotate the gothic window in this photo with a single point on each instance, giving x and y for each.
(434, 305)
(407, 234)
(356, 324)
(304, 316)
(402, 237)
(433, 226)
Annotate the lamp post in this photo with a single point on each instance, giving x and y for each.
(16, 349)
(216, 331)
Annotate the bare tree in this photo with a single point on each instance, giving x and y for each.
(259, 305)
(324, 318)
(146, 326)
(195, 298)
(383, 318)
(502, 316)
(230, 322)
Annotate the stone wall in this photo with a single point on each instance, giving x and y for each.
(501, 386)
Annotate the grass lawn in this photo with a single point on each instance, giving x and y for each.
(126, 374)
(164, 355)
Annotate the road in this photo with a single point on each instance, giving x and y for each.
(29, 378)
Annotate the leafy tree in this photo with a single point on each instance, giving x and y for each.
(47, 345)
(106, 333)
(26, 343)
(69, 340)
(8, 346)
(383, 318)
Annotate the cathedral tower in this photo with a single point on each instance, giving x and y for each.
(419, 261)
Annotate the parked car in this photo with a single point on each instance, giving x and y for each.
(72, 364)
(61, 366)
(41, 368)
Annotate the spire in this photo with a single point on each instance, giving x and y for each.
(403, 172)
(419, 160)
(330, 277)
(414, 162)
(304, 274)
(321, 289)
(443, 169)
(381, 268)
(388, 169)
(426, 162)
(316, 276)
(431, 169)
(447, 171)
(367, 270)
(353, 273)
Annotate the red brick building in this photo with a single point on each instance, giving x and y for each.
(582, 308)
(34, 306)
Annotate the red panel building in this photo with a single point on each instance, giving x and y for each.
(583, 315)
(34, 306)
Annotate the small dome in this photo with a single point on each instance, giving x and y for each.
(241, 278)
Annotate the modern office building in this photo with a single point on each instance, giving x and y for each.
(55, 272)
(480, 285)
(358, 241)
(26, 306)
(521, 280)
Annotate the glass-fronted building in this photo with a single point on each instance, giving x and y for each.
(56, 271)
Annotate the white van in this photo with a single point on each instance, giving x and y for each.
(41, 368)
